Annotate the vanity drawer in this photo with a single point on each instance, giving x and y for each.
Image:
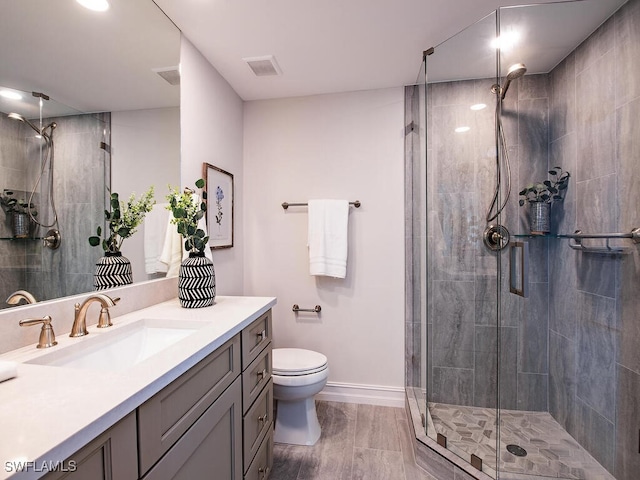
(263, 462)
(255, 377)
(257, 423)
(255, 337)
(211, 448)
(165, 417)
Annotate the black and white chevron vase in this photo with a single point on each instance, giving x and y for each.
(196, 282)
(112, 270)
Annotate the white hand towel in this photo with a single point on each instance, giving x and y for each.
(155, 229)
(173, 251)
(328, 225)
(8, 370)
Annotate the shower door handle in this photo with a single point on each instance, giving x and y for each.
(519, 268)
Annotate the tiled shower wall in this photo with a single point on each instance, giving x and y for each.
(462, 271)
(81, 169)
(594, 328)
(13, 173)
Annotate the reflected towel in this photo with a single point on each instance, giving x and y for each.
(328, 224)
(155, 228)
(8, 370)
(173, 251)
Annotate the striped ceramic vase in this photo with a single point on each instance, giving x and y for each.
(196, 281)
(112, 270)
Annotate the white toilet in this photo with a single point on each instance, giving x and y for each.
(298, 375)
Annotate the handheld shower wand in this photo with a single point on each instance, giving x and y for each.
(48, 138)
(514, 72)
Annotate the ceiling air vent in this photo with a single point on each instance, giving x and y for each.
(263, 66)
(170, 74)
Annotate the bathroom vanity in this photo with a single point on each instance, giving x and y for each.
(199, 405)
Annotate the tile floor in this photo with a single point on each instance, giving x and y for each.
(358, 442)
(551, 451)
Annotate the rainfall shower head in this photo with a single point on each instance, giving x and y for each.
(515, 71)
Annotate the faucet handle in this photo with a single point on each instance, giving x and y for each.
(104, 320)
(47, 337)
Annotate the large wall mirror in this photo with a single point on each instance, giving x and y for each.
(89, 104)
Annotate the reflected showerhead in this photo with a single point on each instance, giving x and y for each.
(515, 71)
(17, 116)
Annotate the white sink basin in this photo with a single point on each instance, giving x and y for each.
(120, 348)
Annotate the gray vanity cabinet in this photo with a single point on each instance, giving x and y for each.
(113, 455)
(214, 421)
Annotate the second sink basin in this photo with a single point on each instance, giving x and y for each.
(121, 348)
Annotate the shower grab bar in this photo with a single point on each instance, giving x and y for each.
(315, 309)
(575, 241)
(286, 205)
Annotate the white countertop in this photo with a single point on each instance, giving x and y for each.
(47, 413)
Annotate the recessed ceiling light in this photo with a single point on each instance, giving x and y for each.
(478, 106)
(506, 40)
(10, 95)
(462, 129)
(95, 5)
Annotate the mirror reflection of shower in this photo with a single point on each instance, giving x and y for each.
(46, 134)
(515, 71)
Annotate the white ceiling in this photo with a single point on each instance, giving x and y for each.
(86, 60)
(323, 46)
(103, 62)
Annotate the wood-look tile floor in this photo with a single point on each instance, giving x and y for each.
(358, 442)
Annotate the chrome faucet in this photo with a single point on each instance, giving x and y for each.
(104, 320)
(16, 297)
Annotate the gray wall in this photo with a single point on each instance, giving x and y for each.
(462, 272)
(594, 332)
(12, 175)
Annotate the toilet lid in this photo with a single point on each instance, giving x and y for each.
(297, 361)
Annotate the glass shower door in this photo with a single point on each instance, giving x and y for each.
(462, 275)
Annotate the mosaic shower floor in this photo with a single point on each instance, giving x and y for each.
(551, 451)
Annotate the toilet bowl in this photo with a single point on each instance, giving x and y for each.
(297, 375)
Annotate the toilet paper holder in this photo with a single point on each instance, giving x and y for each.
(315, 309)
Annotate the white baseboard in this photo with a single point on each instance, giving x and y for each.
(365, 394)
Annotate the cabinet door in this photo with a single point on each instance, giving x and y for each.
(111, 456)
(166, 416)
(211, 448)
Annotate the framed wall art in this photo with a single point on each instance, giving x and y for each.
(219, 189)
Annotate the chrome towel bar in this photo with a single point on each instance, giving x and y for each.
(315, 309)
(286, 205)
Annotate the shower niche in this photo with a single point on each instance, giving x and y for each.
(544, 385)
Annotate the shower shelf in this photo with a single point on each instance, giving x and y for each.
(575, 240)
(20, 239)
